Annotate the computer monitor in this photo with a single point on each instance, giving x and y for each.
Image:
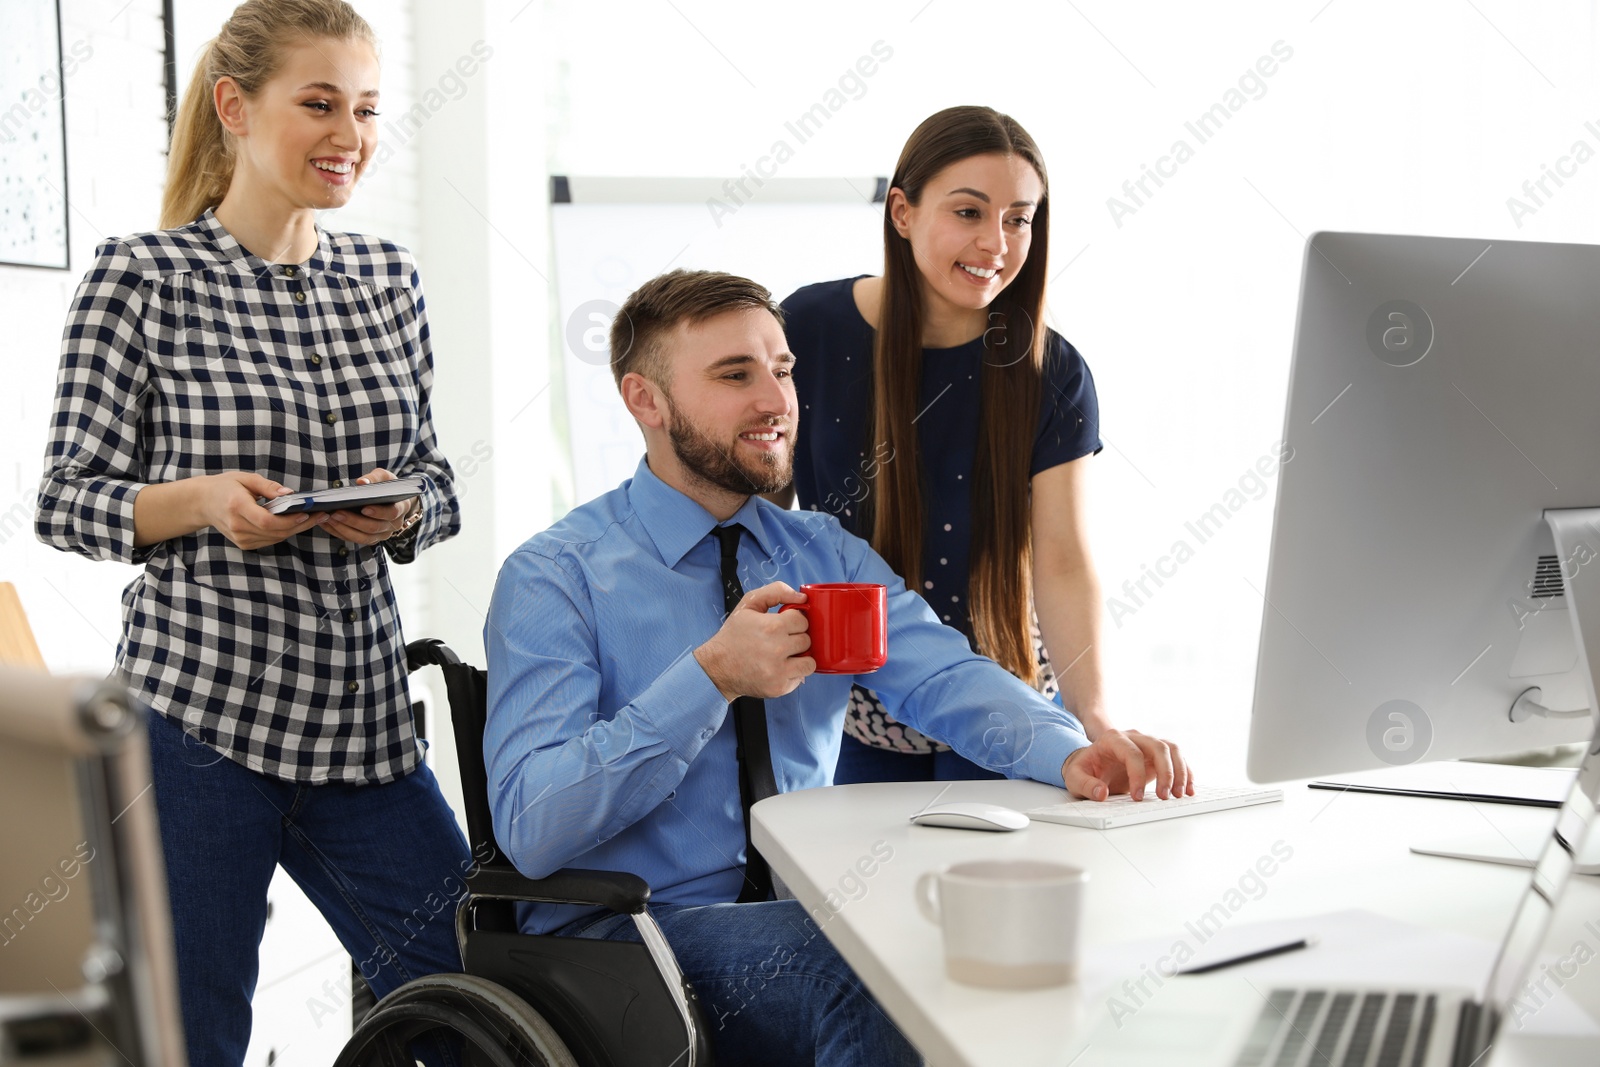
(1444, 406)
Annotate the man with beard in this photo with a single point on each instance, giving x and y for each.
(633, 719)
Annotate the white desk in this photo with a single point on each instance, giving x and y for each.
(1348, 851)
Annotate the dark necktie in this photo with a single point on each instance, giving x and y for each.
(756, 781)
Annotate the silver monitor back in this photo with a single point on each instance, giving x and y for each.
(1444, 394)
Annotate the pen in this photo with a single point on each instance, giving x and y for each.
(1248, 957)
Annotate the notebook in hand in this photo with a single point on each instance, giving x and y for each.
(346, 496)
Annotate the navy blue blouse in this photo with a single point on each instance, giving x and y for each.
(834, 466)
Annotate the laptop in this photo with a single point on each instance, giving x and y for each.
(1231, 1020)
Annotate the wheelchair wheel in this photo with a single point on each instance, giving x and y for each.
(490, 1025)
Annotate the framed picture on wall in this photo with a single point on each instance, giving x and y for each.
(33, 136)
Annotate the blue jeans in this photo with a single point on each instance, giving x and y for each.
(772, 988)
(864, 763)
(385, 864)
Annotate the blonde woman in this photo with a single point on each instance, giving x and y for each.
(242, 353)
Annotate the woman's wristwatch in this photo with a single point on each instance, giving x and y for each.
(408, 527)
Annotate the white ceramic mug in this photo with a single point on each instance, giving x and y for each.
(1011, 924)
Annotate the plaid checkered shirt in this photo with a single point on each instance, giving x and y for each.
(185, 355)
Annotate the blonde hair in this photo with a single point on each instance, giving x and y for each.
(249, 49)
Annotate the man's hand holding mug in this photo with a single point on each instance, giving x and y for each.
(831, 628)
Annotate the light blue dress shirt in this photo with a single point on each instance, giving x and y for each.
(608, 747)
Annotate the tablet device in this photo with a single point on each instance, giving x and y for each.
(351, 497)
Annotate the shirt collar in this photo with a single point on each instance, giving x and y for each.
(229, 249)
(677, 523)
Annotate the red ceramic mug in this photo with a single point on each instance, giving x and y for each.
(849, 626)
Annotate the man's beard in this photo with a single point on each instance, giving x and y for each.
(702, 457)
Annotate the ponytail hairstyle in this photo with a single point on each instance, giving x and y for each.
(249, 49)
(999, 591)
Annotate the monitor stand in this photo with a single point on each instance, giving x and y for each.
(1572, 529)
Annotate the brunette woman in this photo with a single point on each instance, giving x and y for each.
(944, 422)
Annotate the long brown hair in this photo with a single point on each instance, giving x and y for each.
(999, 591)
(249, 49)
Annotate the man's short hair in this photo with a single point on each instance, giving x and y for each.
(655, 309)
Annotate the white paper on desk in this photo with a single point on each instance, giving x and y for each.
(1513, 846)
(1353, 947)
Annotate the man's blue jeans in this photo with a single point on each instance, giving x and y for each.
(772, 989)
(385, 864)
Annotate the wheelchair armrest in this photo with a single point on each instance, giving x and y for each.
(619, 892)
(429, 651)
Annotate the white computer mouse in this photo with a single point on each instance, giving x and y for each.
(971, 815)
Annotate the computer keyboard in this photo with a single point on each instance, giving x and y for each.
(1123, 810)
(1351, 1028)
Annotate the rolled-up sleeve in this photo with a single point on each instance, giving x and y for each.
(94, 467)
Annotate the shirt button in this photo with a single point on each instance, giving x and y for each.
(338, 484)
(330, 418)
(354, 687)
(316, 359)
(343, 552)
(290, 272)
(350, 616)
(299, 296)
(705, 735)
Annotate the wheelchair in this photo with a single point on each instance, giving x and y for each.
(531, 999)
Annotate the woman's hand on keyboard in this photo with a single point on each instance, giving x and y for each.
(1124, 761)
